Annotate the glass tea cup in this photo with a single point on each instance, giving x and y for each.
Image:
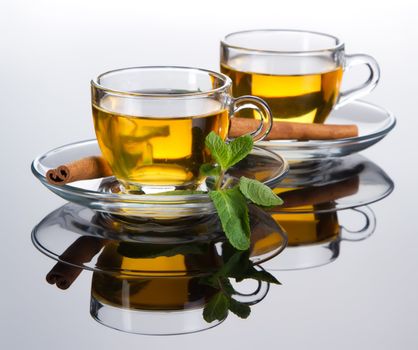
(298, 73)
(151, 123)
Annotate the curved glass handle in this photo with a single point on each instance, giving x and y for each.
(366, 231)
(263, 110)
(256, 296)
(354, 93)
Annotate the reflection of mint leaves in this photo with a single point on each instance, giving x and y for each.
(231, 203)
(240, 309)
(237, 264)
(217, 308)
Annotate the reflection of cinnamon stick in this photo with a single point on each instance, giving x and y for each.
(81, 251)
(294, 131)
(82, 169)
(318, 194)
(63, 275)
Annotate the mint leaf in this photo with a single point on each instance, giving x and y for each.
(261, 275)
(239, 149)
(258, 193)
(227, 155)
(239, 309)
(216, 308)
(232, 209)
(218, 149)
(237, 265)
(210, 170)
(232, 264)
(226, 285)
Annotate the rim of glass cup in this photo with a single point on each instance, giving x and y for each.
(227, 82)
(339, 44)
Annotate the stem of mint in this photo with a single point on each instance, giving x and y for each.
(231, 203)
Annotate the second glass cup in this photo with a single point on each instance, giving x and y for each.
(151, 123)
(298, 73)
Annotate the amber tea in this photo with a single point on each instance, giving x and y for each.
(175, 293)
(308, 228)
(298, 98)
(151, 123)
(157, 150)
(172, 290)
(298, 73)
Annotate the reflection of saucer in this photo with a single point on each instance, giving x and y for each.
(314, 238)
(190, 247)
(159, 278)
(373, 122)
(339, 184)
(265, 166)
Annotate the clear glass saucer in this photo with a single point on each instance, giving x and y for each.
(331, 185)
(373, 122)
(262, 164)
(80, 237)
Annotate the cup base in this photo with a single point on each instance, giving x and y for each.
(134, 188)
(149, 322)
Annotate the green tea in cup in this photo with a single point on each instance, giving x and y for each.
(151, 123)
(298, 73)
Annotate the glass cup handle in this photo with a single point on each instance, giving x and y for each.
(263, 110)
(256, 296)
(366, 231)
(356, 92)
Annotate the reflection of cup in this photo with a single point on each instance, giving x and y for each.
(158, 306)
(314, 238)
(151, 122)
(163, 298)
(158, 285)
(159, 288)
(298, 73)
(150, 306)
(150, 293)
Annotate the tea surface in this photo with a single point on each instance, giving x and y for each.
(307, 98)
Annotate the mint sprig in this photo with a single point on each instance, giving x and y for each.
(217, 308)
(237, 265)
(231, 203)
(228, 154)
(258, 193)
(232, 209)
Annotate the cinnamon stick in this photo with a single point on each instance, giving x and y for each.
(95, 167)
(294, 131)
(81, 251)
(83, 169)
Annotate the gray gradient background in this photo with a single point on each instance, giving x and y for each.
(367, 299)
